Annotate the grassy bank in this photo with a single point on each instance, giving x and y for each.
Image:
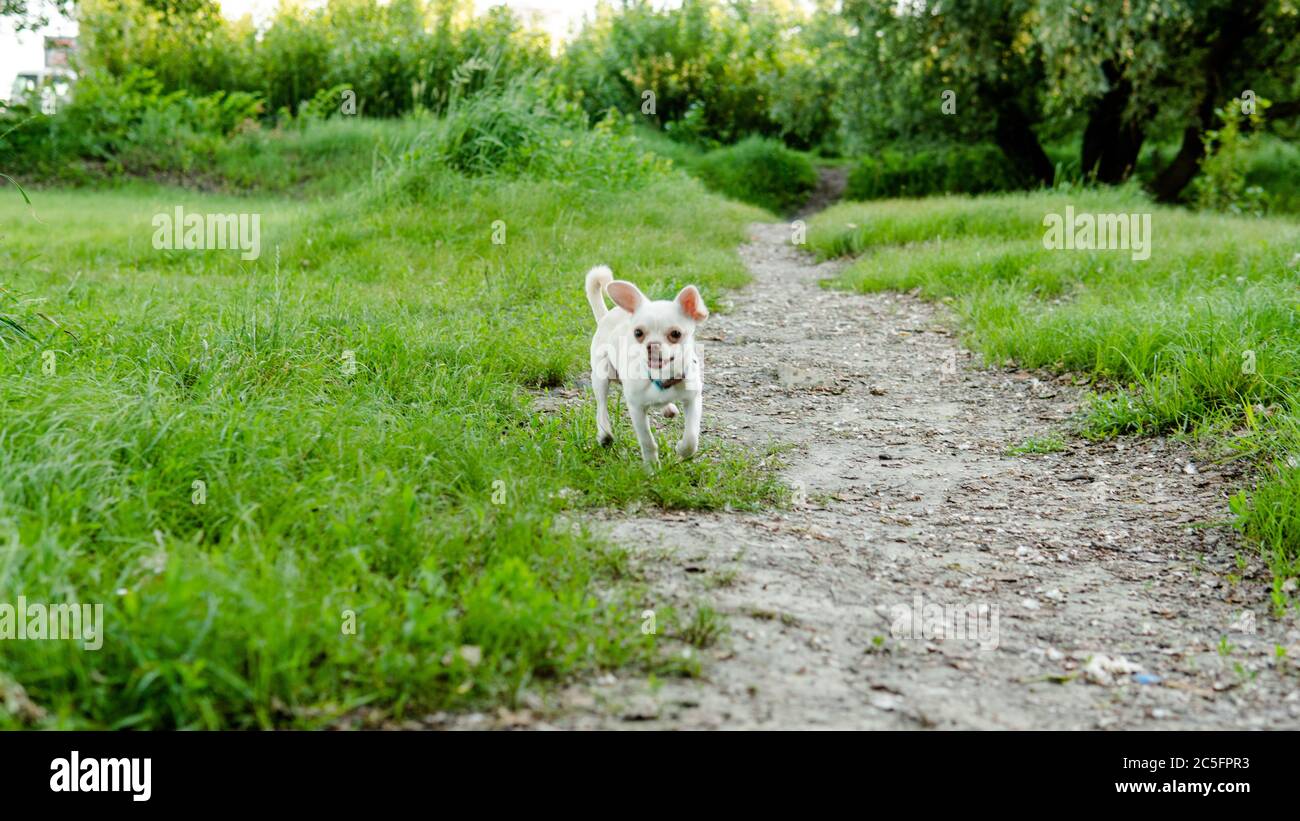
(1201, 338)
(755, 171)
(279, 538)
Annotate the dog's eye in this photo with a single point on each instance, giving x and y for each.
(674, 335)
(639, 333)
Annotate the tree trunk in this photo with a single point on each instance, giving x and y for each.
(1169, 184)
(1020, 144)
(1110, 141)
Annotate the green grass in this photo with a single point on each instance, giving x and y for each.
(705, 628)
(921, 171)
(324, 158)
(682, 154)
(1035, 445)
(1202, 338)
(423, 493)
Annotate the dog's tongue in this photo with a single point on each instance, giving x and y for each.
(656, 361)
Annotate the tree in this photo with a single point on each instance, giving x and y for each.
(33, 14)
(1162, 67)
(912, 57)
(708, 69)
(1250, 49)
(1121, 71)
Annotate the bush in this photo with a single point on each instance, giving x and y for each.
(122, 125)
(1222, 185)
(976, 169)
(128, 127)
(397, 56)
(718, 71)
(1270, 164)
(758, 171)
(526, 130)
(1273, 164)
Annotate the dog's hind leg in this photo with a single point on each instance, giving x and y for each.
(670, 410)
(600, 384)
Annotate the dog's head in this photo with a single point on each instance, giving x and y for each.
(663, 331)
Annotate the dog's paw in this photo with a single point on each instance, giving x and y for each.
(687, 449)
(670, 410)
(605, 439)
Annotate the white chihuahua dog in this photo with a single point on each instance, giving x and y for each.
(649, 347)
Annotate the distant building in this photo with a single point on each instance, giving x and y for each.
(51, 85)
(59, 51)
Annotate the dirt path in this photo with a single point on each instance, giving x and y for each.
(899, 458)
(831, 182)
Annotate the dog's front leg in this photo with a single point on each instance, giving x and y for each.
(644, 435)
(691, 432)
(604, 430)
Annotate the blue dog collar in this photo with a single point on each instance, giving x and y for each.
(665, 384)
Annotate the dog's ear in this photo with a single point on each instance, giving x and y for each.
(691, 303)
(625, 295)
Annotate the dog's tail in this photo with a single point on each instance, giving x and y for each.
(597, 279)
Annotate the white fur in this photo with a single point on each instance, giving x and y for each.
(618, 356)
